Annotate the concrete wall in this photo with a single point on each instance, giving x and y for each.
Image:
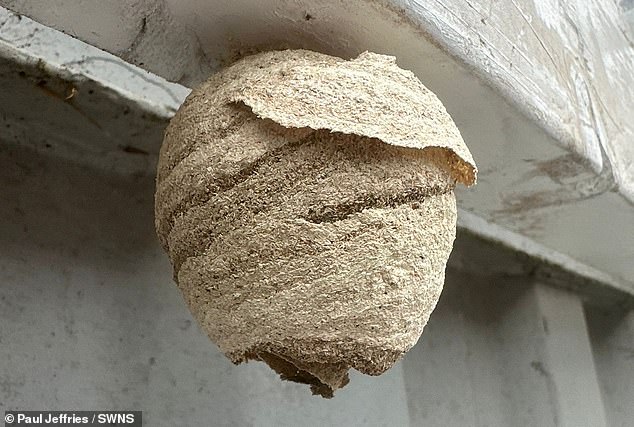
(89, 316)
(90, 319)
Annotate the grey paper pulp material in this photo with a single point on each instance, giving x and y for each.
(306, 203)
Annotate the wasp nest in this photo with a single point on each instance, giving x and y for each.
(306, 203)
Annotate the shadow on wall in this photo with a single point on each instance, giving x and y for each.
(74, 212)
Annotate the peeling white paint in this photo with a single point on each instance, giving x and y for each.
(550, 13)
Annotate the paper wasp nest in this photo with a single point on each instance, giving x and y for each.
(306, 203)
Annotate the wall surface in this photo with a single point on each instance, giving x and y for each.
(89, 318)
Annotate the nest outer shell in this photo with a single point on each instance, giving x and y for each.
(306, 203)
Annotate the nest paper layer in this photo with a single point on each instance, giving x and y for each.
(307, 206)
